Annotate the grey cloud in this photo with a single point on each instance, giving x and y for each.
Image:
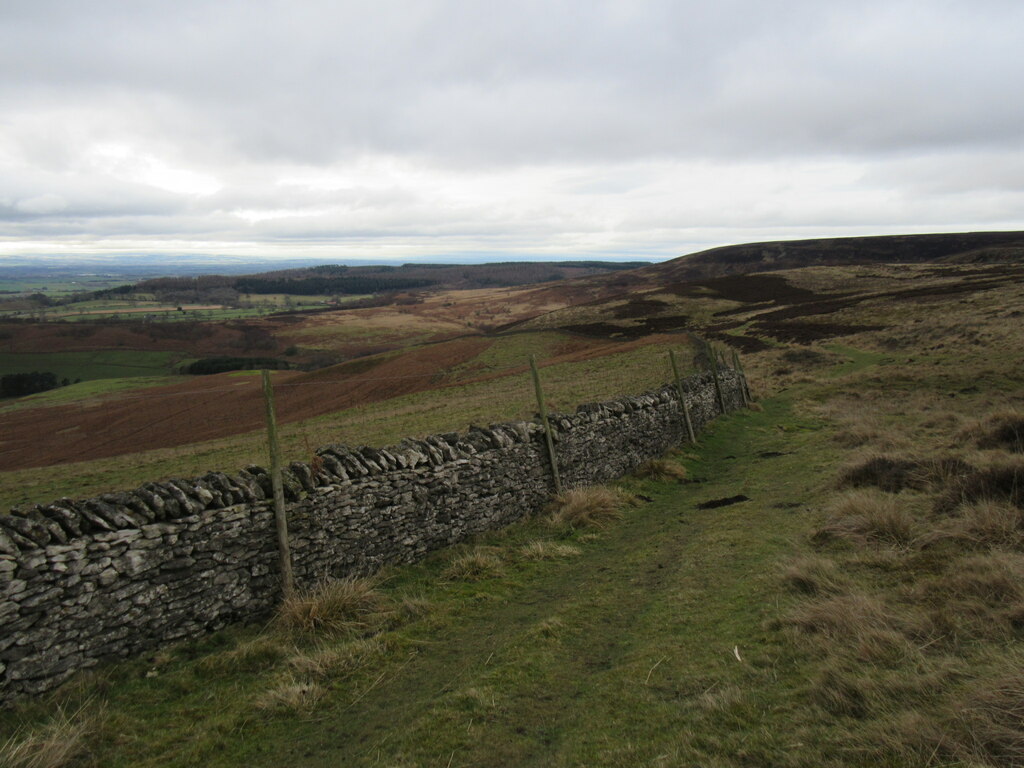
(539, 81)
(248, 93)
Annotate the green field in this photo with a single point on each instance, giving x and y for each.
(58, 286)
(100, 364)
(86, 390)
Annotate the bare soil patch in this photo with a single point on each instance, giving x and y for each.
(214, 406)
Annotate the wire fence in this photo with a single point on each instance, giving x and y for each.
(187, 429)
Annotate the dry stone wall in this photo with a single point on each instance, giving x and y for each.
(86, 581)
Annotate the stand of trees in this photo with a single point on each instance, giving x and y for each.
(21, 384)
(316, 286)
(209, 365)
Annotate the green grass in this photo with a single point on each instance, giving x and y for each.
(514, 350)
(616, 656)
(100, 364)
(856, 359)
(87, 390)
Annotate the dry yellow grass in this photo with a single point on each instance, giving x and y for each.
(481, 563)
(983, 524)
(868, 515)
(337, 661)
(57, 744)
(814, 575)
(254, 655)
(1002, 429)
(662, 470)
(345, 606)
(591, 507)
(548, 550)
(290, 695)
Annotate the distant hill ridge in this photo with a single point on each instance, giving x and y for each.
(956, 248)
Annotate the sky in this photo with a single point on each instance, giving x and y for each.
(409, 129)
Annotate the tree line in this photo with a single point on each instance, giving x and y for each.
(21, 384)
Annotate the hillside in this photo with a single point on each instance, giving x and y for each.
(356, 360)
(964, 247)
(829, 579)
(342, 280)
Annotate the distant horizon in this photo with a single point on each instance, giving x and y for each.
(295, 256)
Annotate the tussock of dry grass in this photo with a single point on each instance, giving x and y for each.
(993, 722)
(936, 474)
(995, 578)
(914, 738)
(57, 744)
(985, 727)
(999, 430)
(840, 692)
(346, 606)
(868, 515)
(252, 656)
(549, 628)
(814, 576)
(866, 626)
(479, 564)
(413, 607)
(662, 470)
(548, 550)
(983, 524)
(592, 507)
(842, 616)
(860, 431)
(720, 699)
(1000, 480)
(887, 472)
(291, 695)
(326, 663)
(476, 699)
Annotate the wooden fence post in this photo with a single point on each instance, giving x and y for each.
(713, 357)
(542, 406)
(742, 377)
(284, 550)
(746, 382)
(682, 397)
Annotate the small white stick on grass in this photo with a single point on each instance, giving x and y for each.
(736, 653)
(651, 672)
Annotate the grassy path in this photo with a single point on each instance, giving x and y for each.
(649, 648)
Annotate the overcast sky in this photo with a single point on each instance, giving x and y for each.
(409, 128)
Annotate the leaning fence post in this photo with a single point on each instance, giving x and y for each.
(746, 383)
(542, 406)
(713, 357)
(682, 397)
(741, 377)
(284, 550)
